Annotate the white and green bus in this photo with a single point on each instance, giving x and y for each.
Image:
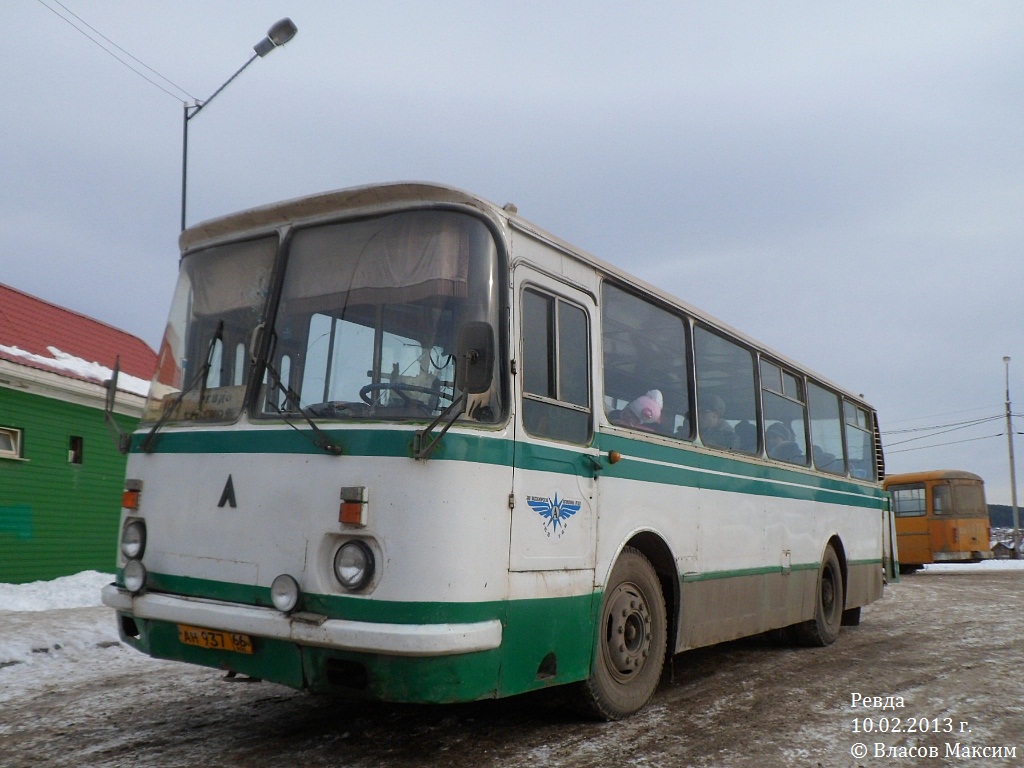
(404, 445)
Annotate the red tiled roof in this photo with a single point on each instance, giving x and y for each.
(33, 325)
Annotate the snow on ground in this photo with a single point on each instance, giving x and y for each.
(50, 629)
(79, 591)
(985, 566)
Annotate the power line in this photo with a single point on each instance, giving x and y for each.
(940, 444)
(955, 424)
(111, 53)
(938, 415)
(935, 432)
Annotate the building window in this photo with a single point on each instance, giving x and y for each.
(10, 443)
(75, 450)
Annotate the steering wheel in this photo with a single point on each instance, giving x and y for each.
(402, 390)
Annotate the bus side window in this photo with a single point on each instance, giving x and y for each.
(859, 443)
(556, 368)
(826, 429)
(645, 351)
(908, 501)
(725, 385)
(785, 414)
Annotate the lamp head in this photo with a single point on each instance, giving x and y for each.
(277, 35)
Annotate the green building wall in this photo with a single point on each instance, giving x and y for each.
(56, 517)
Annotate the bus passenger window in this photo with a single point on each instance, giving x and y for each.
(826, 429)
(859, 442)
(556, 368)
(726, 395)
(908, 501)
(785, 414)
(646, 368)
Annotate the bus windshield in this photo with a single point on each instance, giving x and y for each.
(370, 313)
(204, 356)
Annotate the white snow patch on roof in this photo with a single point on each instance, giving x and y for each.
(62, 361)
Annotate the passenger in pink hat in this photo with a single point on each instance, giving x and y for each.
(645, 411)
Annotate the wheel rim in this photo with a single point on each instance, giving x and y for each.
(628, 632)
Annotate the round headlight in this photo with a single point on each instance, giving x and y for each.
(353, 564)
(134, 576)
(284, 593)
(133, 539)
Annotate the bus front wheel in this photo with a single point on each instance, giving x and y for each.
(823, 629)
(630, 650)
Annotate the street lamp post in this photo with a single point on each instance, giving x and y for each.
(278, 35)
(1013, 468)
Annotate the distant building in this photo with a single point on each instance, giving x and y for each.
(61, 475)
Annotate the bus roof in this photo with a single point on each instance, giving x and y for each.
(377, 198)
(929, 475)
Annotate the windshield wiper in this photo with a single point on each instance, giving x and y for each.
(424, 443)
(200, 378)
(320, 439)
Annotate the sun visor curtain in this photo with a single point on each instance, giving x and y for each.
(395, 259)
(231, 277)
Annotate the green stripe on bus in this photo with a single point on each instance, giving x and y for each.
(642, 460)
(739, 573)
(689, 578)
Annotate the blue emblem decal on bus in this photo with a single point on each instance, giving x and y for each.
(554, 512)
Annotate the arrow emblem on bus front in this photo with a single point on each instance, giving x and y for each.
(228, 496)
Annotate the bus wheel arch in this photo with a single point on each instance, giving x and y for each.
(829, 598)
(653, 547)
(630, 642)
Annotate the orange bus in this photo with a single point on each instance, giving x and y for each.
(941, 517)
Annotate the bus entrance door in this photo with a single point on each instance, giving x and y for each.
(554, 501)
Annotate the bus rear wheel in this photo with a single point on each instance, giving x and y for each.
(630, 651)
(823, 629)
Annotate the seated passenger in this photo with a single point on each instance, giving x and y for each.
(826, 461)
(714, 431)
(642, 413)
(780, 445)
(746, 436)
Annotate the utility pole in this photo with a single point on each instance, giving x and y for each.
(1013, 468)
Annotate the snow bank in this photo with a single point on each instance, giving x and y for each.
(53, 630)
(79, 591)
(985, 566)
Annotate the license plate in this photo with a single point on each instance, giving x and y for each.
(214, 639)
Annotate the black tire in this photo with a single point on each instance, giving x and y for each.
(824, 628)
(630, 650)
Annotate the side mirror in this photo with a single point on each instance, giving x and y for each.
(474, 367)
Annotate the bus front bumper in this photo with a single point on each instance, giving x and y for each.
(309, 629)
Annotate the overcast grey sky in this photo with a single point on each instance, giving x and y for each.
(844, 181)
